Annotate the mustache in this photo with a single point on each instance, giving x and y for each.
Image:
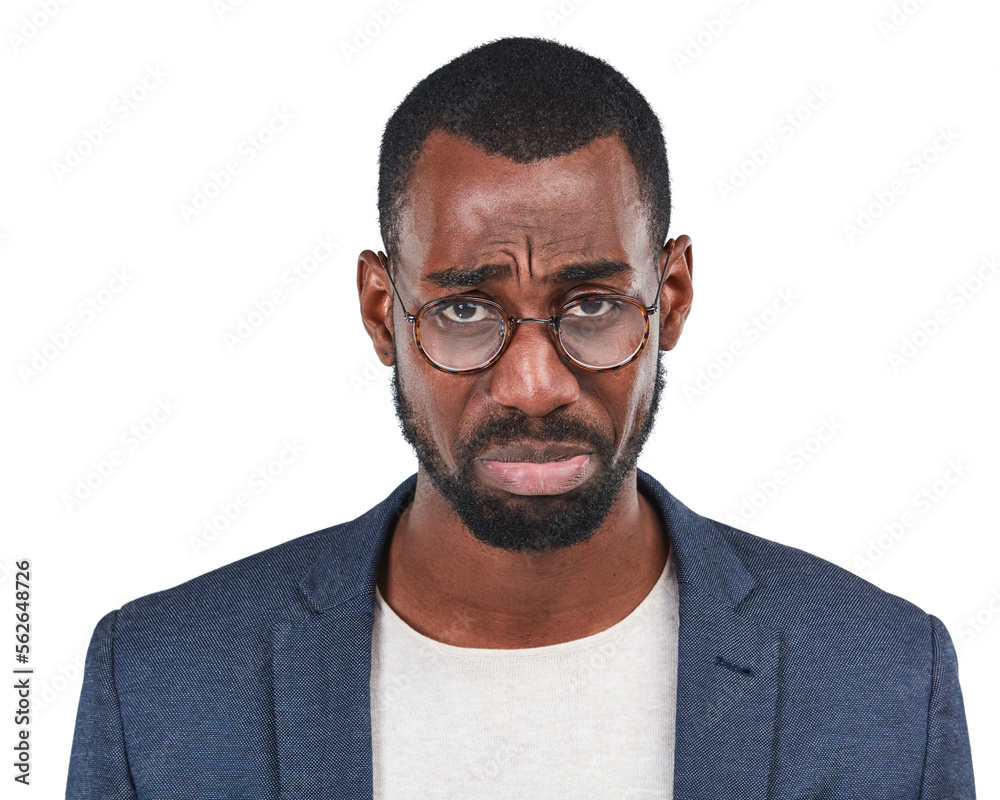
(511, 428)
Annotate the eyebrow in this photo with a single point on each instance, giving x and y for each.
(586, 271)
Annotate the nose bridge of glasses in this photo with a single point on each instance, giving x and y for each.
(517, 320)
(553, 335)
(550, 322)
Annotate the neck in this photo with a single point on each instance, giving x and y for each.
(451, 587)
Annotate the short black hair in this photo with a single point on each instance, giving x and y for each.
(525, 99)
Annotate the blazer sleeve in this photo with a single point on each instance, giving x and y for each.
(98, 766)
(948, 759)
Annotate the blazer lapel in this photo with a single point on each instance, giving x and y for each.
(727, 694)
(728, 666)
(322, 664)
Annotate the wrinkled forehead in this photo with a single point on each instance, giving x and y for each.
(463, 205)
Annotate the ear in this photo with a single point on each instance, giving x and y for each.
(678, 291)
(375, 295)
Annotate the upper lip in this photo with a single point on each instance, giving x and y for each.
(539, 452)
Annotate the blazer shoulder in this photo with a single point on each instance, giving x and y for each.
(262, 585)
(805, 588)
(253, 593)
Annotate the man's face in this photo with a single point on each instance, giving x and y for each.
(467, 209)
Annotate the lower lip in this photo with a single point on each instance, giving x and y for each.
(526, 477)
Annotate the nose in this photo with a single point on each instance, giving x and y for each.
(532, 374)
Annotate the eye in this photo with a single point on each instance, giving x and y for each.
(465, 311)
(592, 308)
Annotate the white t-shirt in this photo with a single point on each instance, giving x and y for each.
(590, 718)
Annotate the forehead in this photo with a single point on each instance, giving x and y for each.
(465, 206)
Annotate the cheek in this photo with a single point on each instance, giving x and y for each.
(607, 406)
(437, 403)
(637, 393)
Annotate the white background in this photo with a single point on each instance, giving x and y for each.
(308, 372)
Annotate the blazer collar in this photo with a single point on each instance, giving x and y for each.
(728, 664)
(345, 570)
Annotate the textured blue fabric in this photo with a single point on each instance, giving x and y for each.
(796, 679)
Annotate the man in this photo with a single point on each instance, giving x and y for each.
(530, 615)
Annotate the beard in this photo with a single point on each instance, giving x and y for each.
(528, 523)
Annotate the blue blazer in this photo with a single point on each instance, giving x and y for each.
(796, 679)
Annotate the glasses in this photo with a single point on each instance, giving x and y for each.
(464, 333)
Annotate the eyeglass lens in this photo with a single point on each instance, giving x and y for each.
(598, 332)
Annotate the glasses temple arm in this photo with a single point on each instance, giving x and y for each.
(384, 261)
(666, 268)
